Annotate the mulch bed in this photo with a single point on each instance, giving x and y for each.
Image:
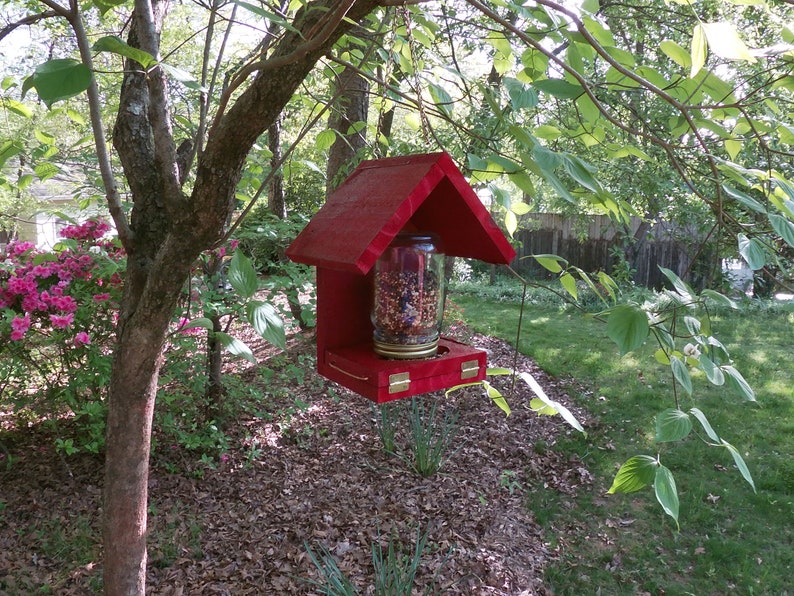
(319, 478)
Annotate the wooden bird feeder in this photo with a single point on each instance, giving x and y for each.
(344, 240)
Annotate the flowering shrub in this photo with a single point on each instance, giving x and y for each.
(57, 315)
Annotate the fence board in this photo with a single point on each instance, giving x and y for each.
(586, 242)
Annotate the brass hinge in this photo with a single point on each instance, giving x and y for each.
(469, 369)
(399, 382)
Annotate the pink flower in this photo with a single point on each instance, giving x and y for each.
(65, 304)
(32, 302)
(21, 324)
(19, 248)
(62, 321)
(82, 339)
(42, 270)
(101, 297)
(234, 244)
(18, 285)
(17, 335)
(184, 327)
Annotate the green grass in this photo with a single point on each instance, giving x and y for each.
(731, 540)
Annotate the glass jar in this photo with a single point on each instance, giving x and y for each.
(408, 301)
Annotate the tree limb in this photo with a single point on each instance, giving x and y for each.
(98, 129)
(28, 20)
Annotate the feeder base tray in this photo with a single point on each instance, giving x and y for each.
(380, 379)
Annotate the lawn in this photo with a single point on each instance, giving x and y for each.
(731, 540)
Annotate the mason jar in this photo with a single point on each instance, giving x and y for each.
(408, 299)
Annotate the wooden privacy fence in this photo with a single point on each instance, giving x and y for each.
(588, 242)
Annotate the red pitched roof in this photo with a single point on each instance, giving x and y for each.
(382, 197)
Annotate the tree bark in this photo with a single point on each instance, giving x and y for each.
(351, 107)
(276, 202)
(168, 232)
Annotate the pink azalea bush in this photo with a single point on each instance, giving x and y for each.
(57, 314)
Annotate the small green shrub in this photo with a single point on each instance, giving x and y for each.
(431, 437)
(387, 418)
(395, 568)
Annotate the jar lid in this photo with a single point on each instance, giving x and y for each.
(417, 238)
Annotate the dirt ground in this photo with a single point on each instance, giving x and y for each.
(321, 479)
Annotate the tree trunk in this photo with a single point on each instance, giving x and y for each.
(168, 232)
(351, 107)
(276, 202)
(133, 388)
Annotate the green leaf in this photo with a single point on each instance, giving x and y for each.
(541, 408)
(197, 323)
(783, 227)
(739, 461)
(235, 346)
(628, 327)
(724, 41)
(563, 411)
(661, 357)
(184, 77)
(672, 425)
(497, 397)
(718, 297)
(324, 140)
(752, 251)
(550, 262)
(701, 417)
(242, 276)
(692, 325)
(521, 96)
(106, 5)
(581, 172)
(511, 223)
(523, 181)
(713, 372)
(442, 99)
(677, 53)
(681, 373)
(17, 107)
(46, 170)
(266, 321)
(558, 186)
(559, 88)
(635, 474)
(268, 15)
(520, 208)
(75, 116)
(547, 132)
(733, 147)
(744, 199)
(698, 50)
(116, 45)
(681, 288)
(737, 382)
(58, 79)
(568, 282)
(666, 492)
(609, 284)
(9, 149)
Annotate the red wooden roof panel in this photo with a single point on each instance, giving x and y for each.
(383, 197)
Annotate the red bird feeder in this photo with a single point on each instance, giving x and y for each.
(391, 219)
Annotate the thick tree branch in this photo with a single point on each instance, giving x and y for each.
(236, 130)
(314, 41)
(98, 129)
(165, 153)
(28, 20)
